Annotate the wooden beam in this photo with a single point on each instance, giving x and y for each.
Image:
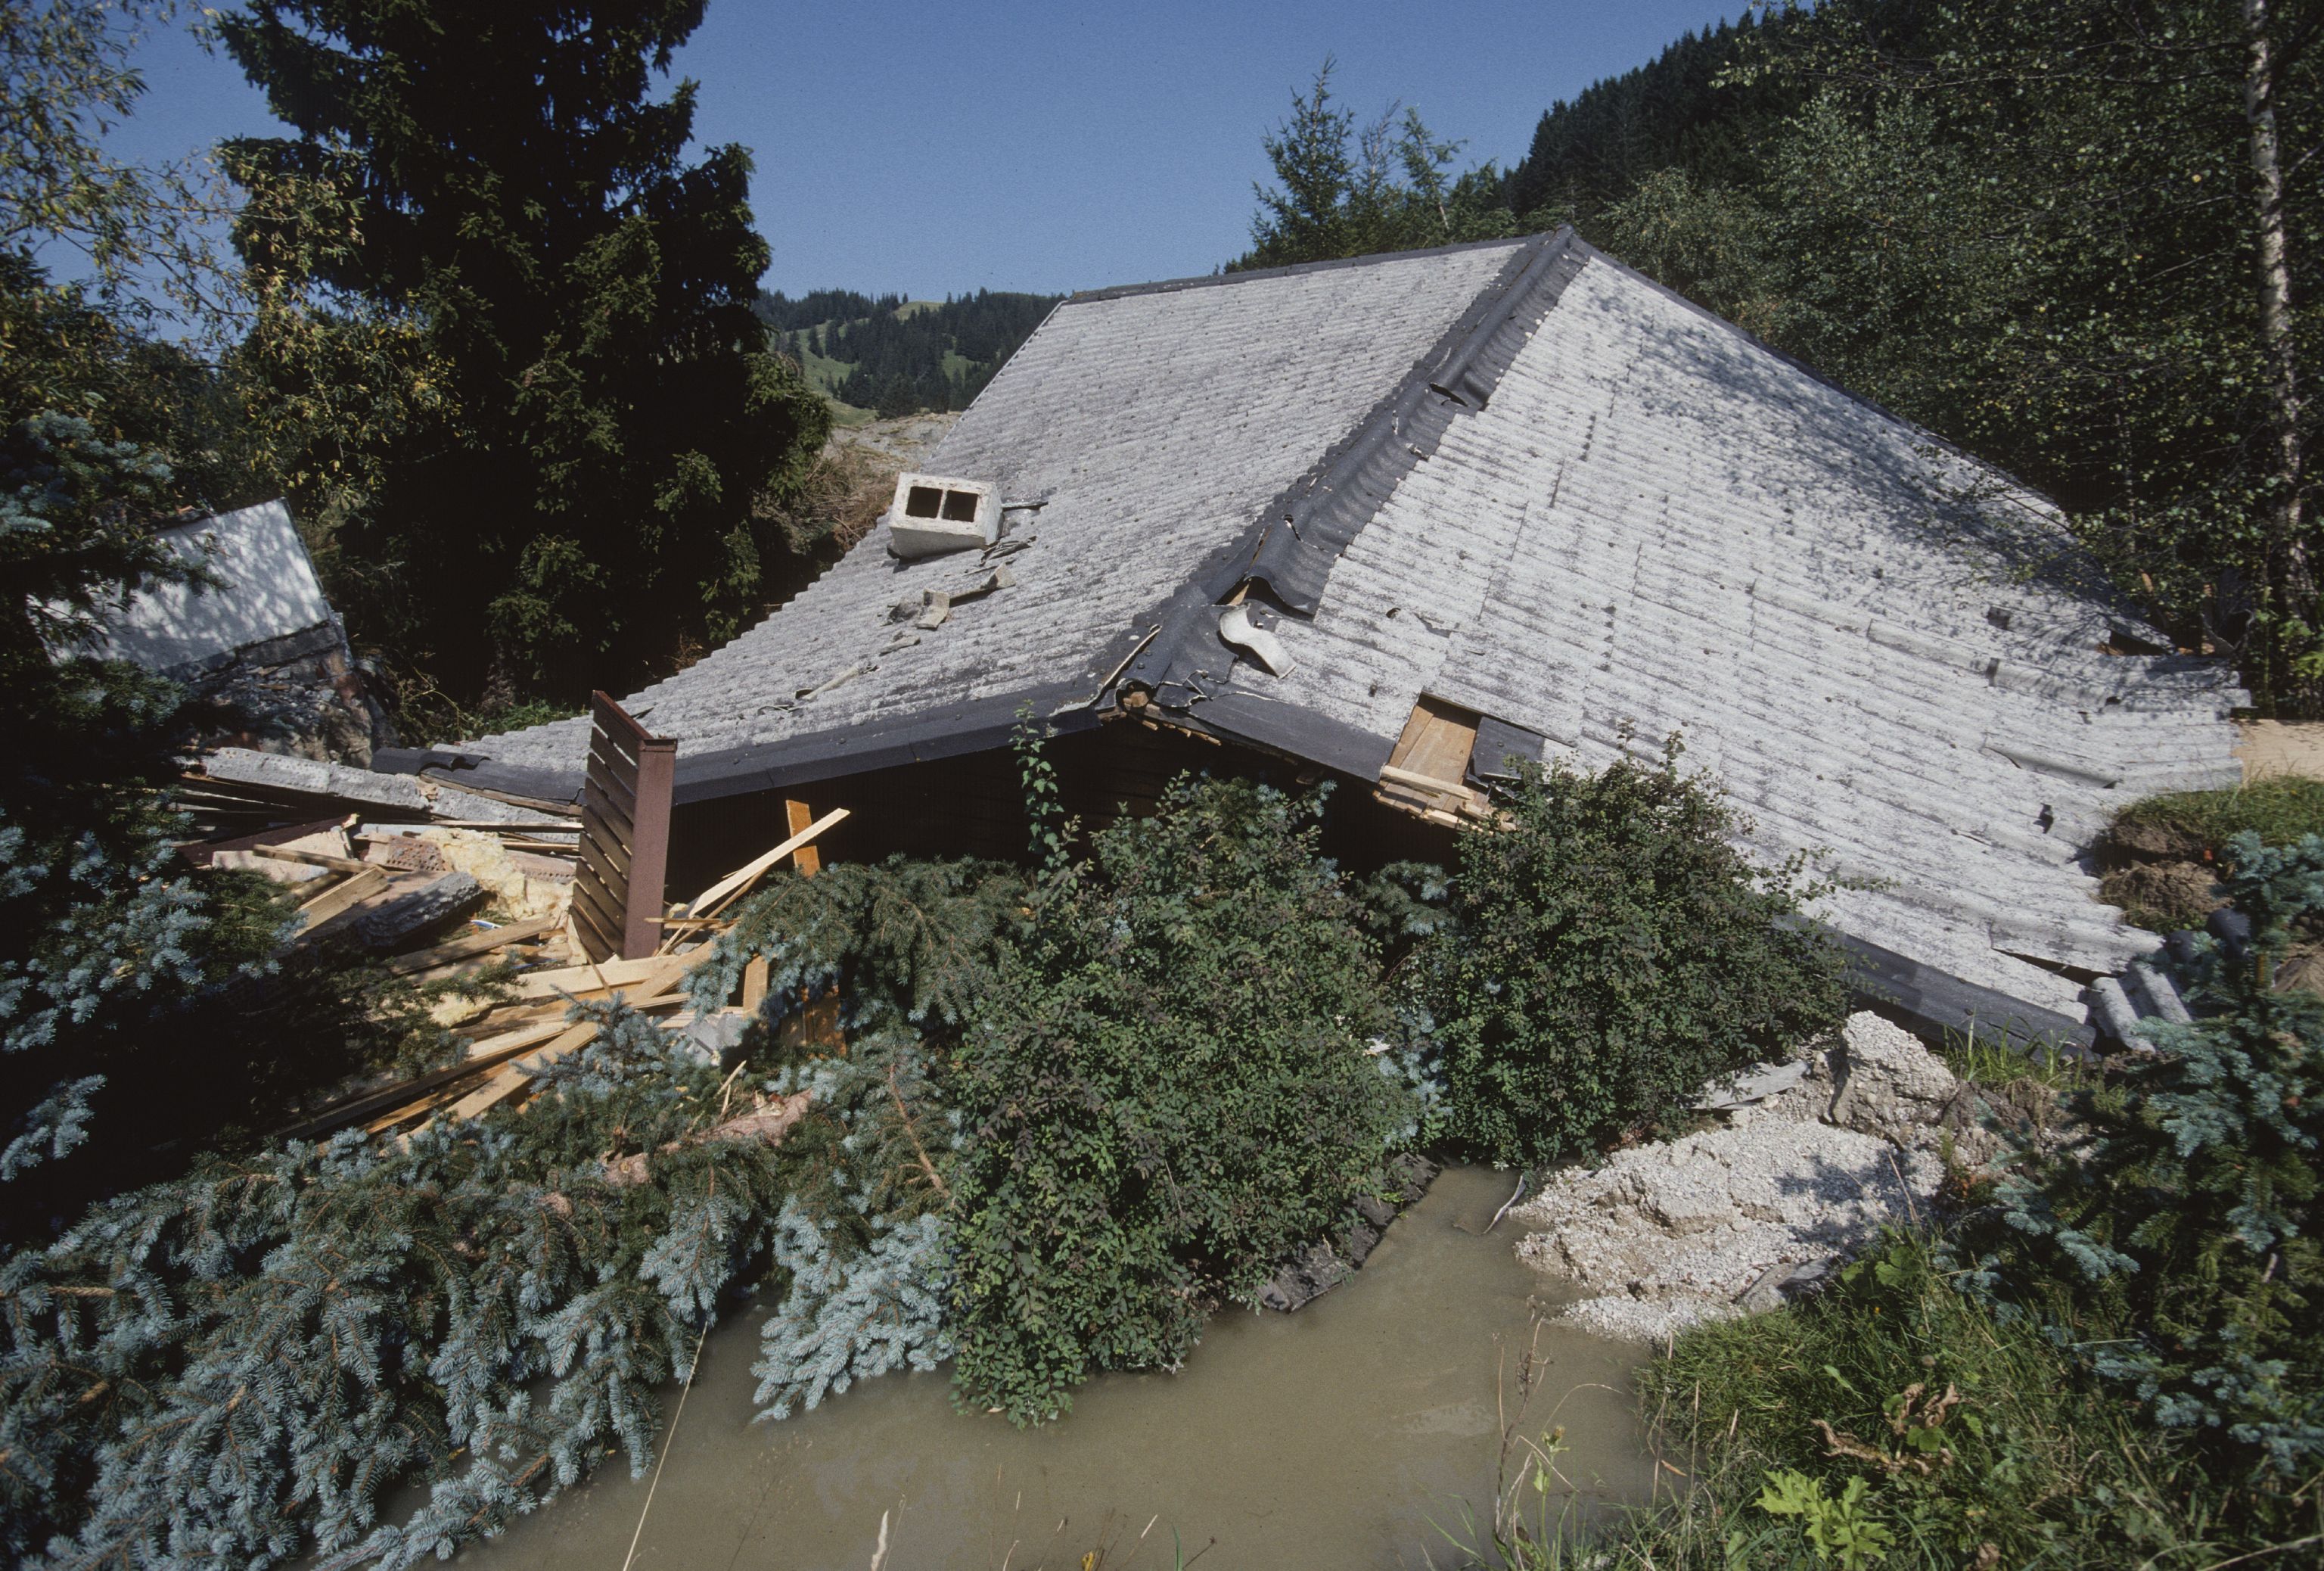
(513, 1079)
(750, 872)
(806, 859)
(311, 858)
(481, 1055)
(349, 891)
(1388, 772)
(468, 943)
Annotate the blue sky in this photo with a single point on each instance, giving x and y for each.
(930, 149)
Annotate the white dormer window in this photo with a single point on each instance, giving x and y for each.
(933, 514)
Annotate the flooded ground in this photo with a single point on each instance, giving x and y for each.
(1327, 1438)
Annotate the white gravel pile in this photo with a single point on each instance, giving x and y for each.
(1667, 1236)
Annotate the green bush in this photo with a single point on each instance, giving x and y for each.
(2177, 1241)
(1894, 1420)
(1608, 951)
(1171, 1093)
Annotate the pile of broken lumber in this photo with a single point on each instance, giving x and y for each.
(510, 1036)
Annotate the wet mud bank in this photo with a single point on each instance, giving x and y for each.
(1329, 1436)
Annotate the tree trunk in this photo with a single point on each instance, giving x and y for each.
(2293, 581)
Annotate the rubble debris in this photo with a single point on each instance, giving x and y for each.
(1815, 1158)
(413, 909)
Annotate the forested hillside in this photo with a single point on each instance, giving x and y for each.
(895, 356)
(2079, 239)
(1592, 151)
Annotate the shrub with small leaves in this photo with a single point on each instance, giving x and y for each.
(1170, 1089)
(1608, 950)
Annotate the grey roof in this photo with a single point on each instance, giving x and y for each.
(264, 592)
(1141, 431)
(1523, 479)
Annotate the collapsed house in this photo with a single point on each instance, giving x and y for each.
(1401, 520)
(256, 645)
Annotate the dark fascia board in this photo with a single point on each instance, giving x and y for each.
(972, 727)
(1215, 279)
(1286, 728)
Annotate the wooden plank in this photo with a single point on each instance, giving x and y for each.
(648, 874)
(610, 862)
(609, 817)
(1437, 740)
(512, 1079)
(750, 872)
(623, 797)
(311, 858)
(754, 984)
(806, 859)
(199, 852)
(815, 1028)
(609, 974)
(480, 1056)
(603, 908)
(620, 767)
(591, 936)
(1422, 782)
(468, 943)
(350, 890)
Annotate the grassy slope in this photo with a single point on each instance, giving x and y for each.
(825, 374)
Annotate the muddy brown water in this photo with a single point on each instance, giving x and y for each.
(1331, 1437)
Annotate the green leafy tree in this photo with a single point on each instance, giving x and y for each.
(2072, 238)
(1168, 1092)
(490, 208)
(1341, 191)
(1608, 951)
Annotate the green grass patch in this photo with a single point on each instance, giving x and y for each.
(2280, 809)
(1892, 1422)
(1996, 1066)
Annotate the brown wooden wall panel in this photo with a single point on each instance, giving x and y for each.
(625, 811)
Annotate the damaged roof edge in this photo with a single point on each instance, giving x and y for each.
(820, 755)
(975, 726)
(1293, 544)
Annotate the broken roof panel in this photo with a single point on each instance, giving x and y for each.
(264, 595)
(1520, 479)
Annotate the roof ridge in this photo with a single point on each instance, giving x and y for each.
(1291, 269)
(1290, 547)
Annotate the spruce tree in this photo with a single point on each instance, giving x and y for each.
(593, 407)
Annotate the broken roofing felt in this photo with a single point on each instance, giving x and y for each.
(1520, 479)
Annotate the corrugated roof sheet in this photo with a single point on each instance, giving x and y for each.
(1525, 480)
(1146, 430)
(1887, 651)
